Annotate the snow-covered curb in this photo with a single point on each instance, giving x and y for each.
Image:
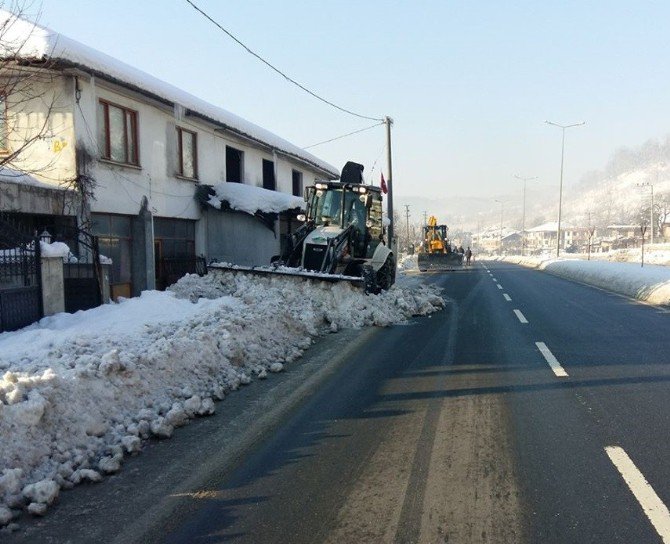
(81, 391)
(650, 283)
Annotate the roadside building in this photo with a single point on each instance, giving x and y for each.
(542, 238)
(136, 160)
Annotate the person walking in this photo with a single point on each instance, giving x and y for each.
(468, 256)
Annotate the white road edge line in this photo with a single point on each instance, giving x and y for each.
(553, 362)
(500, 286)
(507, 297)
(521, 317)
(653, 506)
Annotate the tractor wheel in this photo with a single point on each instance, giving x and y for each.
(386, 275)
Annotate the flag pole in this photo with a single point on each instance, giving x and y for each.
(389, 183)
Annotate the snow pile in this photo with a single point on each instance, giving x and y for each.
(409, 262)
(650, 283)
(251, 199)
(10, 175)
(79, 392)
(57, 249)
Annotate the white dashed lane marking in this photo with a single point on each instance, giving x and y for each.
(500, 286)
(553, 362)
(521, 317)
(651, 504)
(507, 297)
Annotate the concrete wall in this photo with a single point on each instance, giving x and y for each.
(41, 200)
(53, 288)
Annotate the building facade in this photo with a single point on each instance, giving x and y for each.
(123, 154)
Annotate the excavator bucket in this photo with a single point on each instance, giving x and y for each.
(291, 273)
(440, 261)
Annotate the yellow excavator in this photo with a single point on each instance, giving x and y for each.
(436, 252)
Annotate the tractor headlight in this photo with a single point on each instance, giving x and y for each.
(321, 186)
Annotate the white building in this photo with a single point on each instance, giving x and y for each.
(125, 153)
(543, 237)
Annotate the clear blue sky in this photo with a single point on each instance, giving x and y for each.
(469, 84)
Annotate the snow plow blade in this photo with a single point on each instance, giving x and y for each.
(439, 261)
(286, 271)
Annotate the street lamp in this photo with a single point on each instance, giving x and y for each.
(501, 223)
(560, 189)
(651, 211)
(523, 215)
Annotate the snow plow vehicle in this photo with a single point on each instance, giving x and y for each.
(343, 233)
(342, 237)
(436, 252)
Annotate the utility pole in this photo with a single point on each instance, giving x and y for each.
(523, 216)
(425, 217)
(407, 222)
(560, 188)
(592, 231)
(389, 183)
(651, 211)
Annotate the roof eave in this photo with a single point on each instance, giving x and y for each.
(59, 63)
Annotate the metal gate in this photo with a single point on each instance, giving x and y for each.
(170, 270)
(20, 278)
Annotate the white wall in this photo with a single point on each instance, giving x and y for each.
(120, 188)
(42, 106)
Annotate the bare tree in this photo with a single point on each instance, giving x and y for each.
(34, 127)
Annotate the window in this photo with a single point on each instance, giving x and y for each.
(234, 164)
(297, 183)
(187, 144)
(115, 238)
(118, 133)
(269, 175)
(177, 237)
(4, 144)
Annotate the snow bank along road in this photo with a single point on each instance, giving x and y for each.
(81, 392)
(649, 284)
(533, 409)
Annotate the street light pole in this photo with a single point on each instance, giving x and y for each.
(651, 211)
(560, 188)
(523, 215)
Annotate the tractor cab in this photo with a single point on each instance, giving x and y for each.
(335, 206)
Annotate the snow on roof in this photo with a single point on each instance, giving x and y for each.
(552, 226)
(9, 175)
(28, 41)
(252, 199)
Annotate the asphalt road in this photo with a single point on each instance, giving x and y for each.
(456, 428)
(453, 428)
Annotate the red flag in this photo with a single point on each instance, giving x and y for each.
(385, 189)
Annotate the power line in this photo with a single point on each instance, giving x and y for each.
(344, 135)
(278, 70)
